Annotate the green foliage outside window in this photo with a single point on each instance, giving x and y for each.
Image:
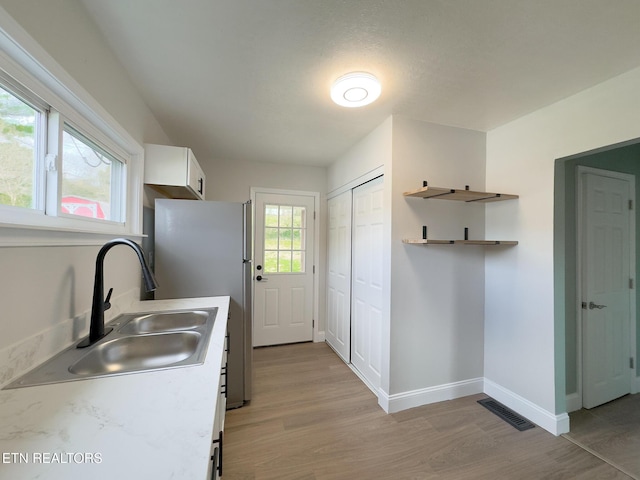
(17, 151)
(284, 239)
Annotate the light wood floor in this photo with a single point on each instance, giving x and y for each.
(611, 430)
(312, 419)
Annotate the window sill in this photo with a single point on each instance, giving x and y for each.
(12, 235)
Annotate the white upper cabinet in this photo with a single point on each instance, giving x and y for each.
(173, 171)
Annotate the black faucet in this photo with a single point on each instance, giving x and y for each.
(100, 304)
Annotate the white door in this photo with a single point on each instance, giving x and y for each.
(606, 287)
(366, 291)
(283, 290)
(338, 333)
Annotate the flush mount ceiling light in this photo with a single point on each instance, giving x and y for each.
(355, 89)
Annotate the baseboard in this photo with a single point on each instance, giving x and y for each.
(635, 386)
(555, 424)
(415, 398)
(319, 337)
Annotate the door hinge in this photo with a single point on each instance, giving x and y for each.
(314, 269)
(313, 323)
(584, 305)
(631, 363)
(630, 205)
(314, 215)
(631, 283)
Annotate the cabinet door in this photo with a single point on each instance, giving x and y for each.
(222, 399)
(195, 176)
(215, 465)
(213, 469)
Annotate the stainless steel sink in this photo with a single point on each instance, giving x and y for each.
(139, 342)
(141, 352)
(165, 322)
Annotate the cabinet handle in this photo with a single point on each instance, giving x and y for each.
(223, 386)
(214, 461)
(219, 441)
(200, 185)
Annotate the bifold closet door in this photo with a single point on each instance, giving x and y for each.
(338, 333)
(366, 283)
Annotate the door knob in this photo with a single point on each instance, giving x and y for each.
(593, 305)
(260, 278)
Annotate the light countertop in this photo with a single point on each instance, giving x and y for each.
(148, 425)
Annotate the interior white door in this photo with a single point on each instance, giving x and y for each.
(283, 286)
(606, 289)
(338, 332)
(366, 290)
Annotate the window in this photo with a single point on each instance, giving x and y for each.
(284, 239)
(92, 181)
(70, 174)
(21, 135)
(91, 178)
(59, 170)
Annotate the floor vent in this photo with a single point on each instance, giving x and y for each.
(509, 416)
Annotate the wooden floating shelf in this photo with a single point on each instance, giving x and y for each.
(427, 241)
(461, 195)
(421, 241)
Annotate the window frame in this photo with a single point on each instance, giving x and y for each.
(34, 71)
(9, 85)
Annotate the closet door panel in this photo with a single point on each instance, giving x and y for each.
(338, 332)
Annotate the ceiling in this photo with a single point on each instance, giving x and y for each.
(250, 79)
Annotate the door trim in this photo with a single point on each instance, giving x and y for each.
(318, 335)
(355, 183)
(576, 399)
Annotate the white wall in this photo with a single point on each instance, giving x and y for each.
(522, 338)
(364, 161)
(42, 289)
(437, 292)
(434, 296)
(356, 165)
(66, 32)
(231, 181)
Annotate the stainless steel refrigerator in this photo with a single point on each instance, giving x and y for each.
(203, 249)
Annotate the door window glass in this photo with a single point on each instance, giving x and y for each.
(284, 238)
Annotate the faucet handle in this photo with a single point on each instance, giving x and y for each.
(107, 303)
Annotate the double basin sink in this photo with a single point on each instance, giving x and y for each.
(139, 342)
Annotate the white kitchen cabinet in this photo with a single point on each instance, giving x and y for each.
(173, 171)
(215, 466)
